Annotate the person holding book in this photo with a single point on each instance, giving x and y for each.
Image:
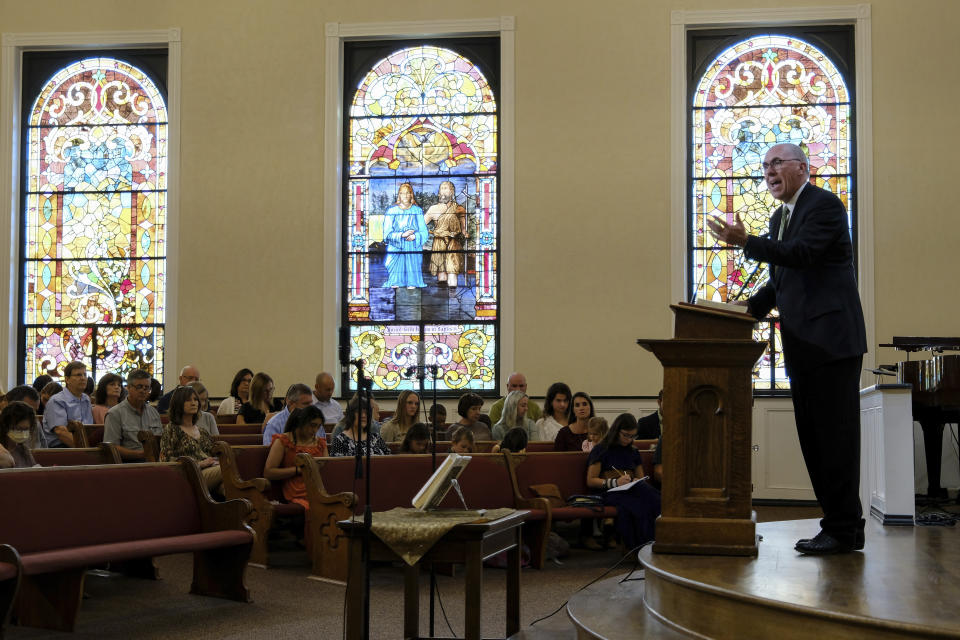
(612, 467)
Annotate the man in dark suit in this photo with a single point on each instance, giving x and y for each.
(648, 426)
(813, 285)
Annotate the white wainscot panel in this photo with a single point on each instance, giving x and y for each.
(779, 472)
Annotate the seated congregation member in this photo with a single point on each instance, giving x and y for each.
(18, 434)
(515, 441)
(516, 382)
(408, 406)
(298, 396)
(108, 394)
(468, 407)
(437, 417)
(596, 431)
(648, 427)
(205, 420)
(557, 412)
(187, 375)
(347, 441)
(132, 415)
(614, 463)
(41, 381)
(156, 392)
(24, 393)
(417, 439)
(239, 393)
(572, 436)
(515, 408)
(70, 405)
(49, 390)
(255, 410)
(323, 398)
(375, 425)
(461, 441)
(182, 437)
(299, 436)
(484, 419)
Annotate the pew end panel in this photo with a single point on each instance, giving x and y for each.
(219, 571)
(257, 490)
(10, 574)
(540, 520)
(151, 445)
(327, 544)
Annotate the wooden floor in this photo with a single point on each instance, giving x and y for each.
(906, 583)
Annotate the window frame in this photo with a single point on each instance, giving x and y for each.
(857, 15)
(47, 64)
(332, 259)
(703, 48)
(11, 180)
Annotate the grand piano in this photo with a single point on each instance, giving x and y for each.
(936, 395)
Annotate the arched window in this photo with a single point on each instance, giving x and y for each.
(420, 223)
(94, 208)
(763, 90)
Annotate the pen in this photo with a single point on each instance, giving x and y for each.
(618, 471)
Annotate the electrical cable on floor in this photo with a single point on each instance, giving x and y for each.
(444, 612)
(636, 565)
(633, 552)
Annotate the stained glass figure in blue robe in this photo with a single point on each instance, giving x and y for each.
(404, 233)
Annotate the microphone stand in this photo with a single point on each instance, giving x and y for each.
(364, 391)
(421, 371)
(433, 573)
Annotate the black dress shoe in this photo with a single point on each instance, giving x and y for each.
(858, 540)
(823, 544)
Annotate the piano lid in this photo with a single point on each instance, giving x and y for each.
(916, 343)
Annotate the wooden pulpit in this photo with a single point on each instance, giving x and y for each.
(707, 401)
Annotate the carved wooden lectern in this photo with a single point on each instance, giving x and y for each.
(707, 401)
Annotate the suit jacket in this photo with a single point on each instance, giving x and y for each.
(648, 427)
(812, 282)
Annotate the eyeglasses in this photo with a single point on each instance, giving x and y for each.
(776, 162)
(139, 387)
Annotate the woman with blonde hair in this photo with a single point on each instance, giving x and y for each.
(255, 410)
(515, 416)
(408, 406)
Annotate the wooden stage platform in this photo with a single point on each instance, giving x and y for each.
(904, 584)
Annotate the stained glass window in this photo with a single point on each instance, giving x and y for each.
(762, 91)
(420, 242)
(94, 243)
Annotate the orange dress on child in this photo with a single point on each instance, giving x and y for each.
(295, 489)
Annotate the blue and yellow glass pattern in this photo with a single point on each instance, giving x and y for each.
(422, 267)
(95, 221)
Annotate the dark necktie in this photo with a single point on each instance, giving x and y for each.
(784, 221)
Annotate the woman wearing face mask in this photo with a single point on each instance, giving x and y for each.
(18, 432)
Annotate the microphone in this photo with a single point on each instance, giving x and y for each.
(344, 346)
(753, 274)
(421, 358)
